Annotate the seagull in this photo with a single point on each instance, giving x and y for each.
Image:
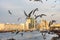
(54, 6)
(46, 0)
(18, 19)
(35, 0)
(25, 13)
(55, 1)
(21, 34)
(52, 14)
(9, 12)
(11, 39)
(30, 0)
(29, 15)
(39, 16)
(41, 1)
(17, 32)
(51, 22)
(38, 0)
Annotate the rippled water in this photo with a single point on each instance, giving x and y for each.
(26, 36)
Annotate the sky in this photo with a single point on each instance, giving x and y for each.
(17, 8)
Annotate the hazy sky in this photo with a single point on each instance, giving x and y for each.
(17, 8)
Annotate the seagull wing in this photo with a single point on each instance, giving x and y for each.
(17, 32)
(53, 20)
(30, 13)
(52, 14)
(37, 16)
(46, 0)
(35, 10)
(43, 15)
(41, 1)
(25, 13)
(50, 23)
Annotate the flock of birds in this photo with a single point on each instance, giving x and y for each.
(29, 15)
(36, 16)
(33, 11)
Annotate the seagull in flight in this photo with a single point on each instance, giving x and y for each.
(51, 22)
(52, 14)
(18, 19)
(28, 15)
(46, 0)
(39, 16)
(37, 0)
(9, 12)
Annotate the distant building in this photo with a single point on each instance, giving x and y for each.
(43, 26)
(1, 26)
(30, 24)
(11, 27)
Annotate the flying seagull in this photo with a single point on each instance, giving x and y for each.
(51, 22)
(35, 0)
(52, 14)
(11, 39)
(9, 12)
(17, 32)
(29, 15)
(29, 0)
(53, 6)
(38, 0)
(25, 13)
(55, 1)
(21, 34)
(35, 10)
(46, 0)
(18, 19)
(39, 16)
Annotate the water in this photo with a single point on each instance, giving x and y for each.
(26, 36)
